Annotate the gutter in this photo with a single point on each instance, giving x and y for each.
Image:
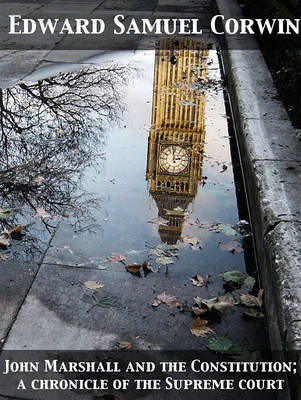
(271, 164)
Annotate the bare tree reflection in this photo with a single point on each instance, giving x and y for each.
(50, 130)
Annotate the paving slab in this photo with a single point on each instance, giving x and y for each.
(127, 5)
(16, 65)
(54, 315)
(12, 72)
(24, 56)
(15, 281)
(63, 56)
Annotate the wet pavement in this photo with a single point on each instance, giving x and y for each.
(155, 185)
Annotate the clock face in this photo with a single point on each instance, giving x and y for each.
(174, 159)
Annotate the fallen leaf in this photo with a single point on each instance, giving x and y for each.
(219, 227)
(89, 299)
(4, 239)
(232, 246)
(197, 280)
(7, 212)
(3, 257)
(133, 268)
(226, 301)
(253, 313)
(224, 345)
(147, 268)
(105, 301)
(252, 301)
(199, 311)
(191, 240)
(226, 229)
(169, 300)
(124, 345)
(163, 249)
(191, 221)
(44, 214)
(16, 229)
(164, 260)
(238, 278)
(198, 328)
(93, 285)
(220, 303)
(116, 257)
(38, 179)
(249, 282)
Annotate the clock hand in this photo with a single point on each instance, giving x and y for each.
(173, 154)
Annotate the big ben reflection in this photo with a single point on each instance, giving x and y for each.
(177, 133)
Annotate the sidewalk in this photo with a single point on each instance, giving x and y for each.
(18, 278)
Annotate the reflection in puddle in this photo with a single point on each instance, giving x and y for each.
(56, 164)
(50, 131)
(177, 134)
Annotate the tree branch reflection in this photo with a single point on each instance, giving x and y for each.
(52, 129)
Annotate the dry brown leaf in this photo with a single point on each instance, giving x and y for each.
(93, 285)
(116, 257)
(3, 257)
(197, 280)
(252, 301)
(164, 260)
(4, 239)
(16, 229)
(38, 179)
(191, 240)
(191, 221)
(147, 267)
(232, 246)
(253, 313)
(198, 328)
(124, 345)
(228, 298)
(169, 300)
(199, 311)
(133, 268)
(220, 303)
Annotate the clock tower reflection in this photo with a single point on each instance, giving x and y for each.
(177, 133)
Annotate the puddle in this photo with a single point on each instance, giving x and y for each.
(157, 184)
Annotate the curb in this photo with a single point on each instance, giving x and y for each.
(270, 158)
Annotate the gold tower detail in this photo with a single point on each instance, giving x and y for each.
(177, 134)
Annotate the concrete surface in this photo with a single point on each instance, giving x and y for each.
(55, 315)
(270, 155)
(105, 10)
(15, 281)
